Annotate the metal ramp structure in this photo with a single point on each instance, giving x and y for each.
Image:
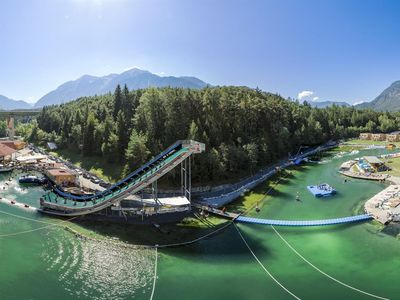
(67, 204)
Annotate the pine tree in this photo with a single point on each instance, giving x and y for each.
(137, 153)
(88, 136)
(117, 101)
(122, 134)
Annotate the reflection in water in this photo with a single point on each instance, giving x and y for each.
(103, 270)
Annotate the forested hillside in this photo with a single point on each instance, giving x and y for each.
(243, 129)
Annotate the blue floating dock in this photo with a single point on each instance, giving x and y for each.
(337, 221)
(321, 190)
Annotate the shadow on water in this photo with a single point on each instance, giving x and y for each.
(224, 242)
(391, 230)
(273, 192)
(138, 234)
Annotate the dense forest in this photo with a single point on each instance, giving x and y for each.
(243, 129)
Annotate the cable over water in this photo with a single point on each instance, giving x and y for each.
(264, 268)
(155, 276)
(49, 224)
(322, 272)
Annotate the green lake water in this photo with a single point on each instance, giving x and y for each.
(52, 263)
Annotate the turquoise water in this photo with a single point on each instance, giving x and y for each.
(52, 263)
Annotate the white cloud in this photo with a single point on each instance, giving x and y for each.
(304, 94)
(315, 98)
(358, 102)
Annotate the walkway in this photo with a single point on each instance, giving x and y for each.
(325, 222)
(243, 219)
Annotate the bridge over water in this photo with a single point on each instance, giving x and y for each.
(336, 221)
(243, 219)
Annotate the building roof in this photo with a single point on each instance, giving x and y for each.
(6, 150)
(372, 159)
(30, 157)
(60, 172)
(8, 143)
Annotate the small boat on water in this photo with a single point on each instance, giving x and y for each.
(4, 169)
(32, 179)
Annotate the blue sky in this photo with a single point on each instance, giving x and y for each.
(338, 50)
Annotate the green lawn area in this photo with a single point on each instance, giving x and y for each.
(394, 164)
(368, 142)
(110, 172)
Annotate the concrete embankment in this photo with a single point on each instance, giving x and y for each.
(385, 206)
(376, 177)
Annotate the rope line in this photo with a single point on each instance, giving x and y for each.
(49, 224)
(195, 240)
(322, 272)
(23, 232)
(155, 276)
(264, 268)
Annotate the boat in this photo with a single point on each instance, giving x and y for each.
(4, 169)
(32, 179)
(321, 190)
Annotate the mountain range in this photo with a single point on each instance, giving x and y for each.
(388, 100)
(10, 104)
(88, 85)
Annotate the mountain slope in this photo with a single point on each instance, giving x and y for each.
(10, 104)
(388, 100)
(134, 78)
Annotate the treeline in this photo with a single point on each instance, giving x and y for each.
(243, 129)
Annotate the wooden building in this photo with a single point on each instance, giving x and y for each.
(376, 164)
(393, 136)
(15, 144)
(63, 177)
(365, 136)
(378, 137)
(6, 153)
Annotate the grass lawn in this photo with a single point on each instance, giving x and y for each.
(394, 164)
(368, 142)
(110, 172)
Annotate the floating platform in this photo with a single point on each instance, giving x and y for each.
(337, 221)
(321, 190)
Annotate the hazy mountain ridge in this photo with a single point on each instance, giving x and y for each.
(388, 100)
(10, 104)
(88, 85)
